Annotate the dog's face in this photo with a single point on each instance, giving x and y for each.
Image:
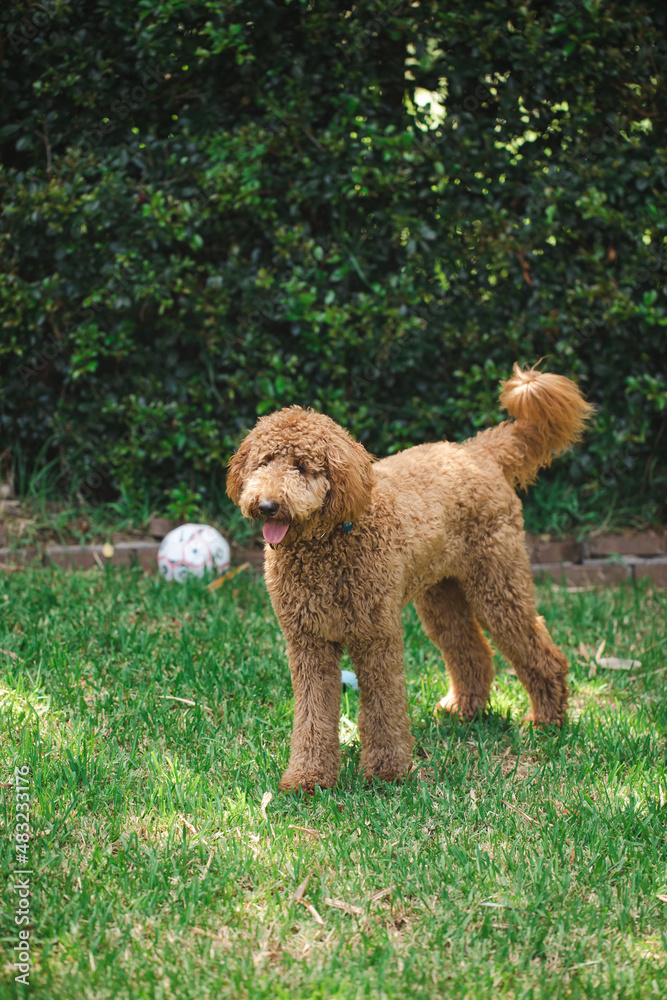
(299, 471)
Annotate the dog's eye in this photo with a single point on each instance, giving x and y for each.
(300, 467)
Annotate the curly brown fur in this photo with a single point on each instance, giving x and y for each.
(438, 524)
(550, 416)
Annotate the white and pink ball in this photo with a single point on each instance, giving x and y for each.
(193, 550)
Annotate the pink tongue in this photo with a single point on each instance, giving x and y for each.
(275, 531)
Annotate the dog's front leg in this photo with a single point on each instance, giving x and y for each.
(384, 728)
(315, 757)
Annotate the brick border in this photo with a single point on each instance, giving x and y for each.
(604, 560)
(603, 572)
(648, 544)
(141, 553)
(601, 560)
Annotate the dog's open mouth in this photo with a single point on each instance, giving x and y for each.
(274, 531)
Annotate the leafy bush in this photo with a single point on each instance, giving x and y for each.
(211, 210)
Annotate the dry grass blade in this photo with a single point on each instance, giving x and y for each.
(340, 904)
(10, 654)
(305, 829)
(584, 652)
(504, 906)
(208, 865)
(183, 701)
(614, 663)
(525, 815)
(520, 812)
(594, 660)
(298, 898)
(313, 912)
(187, 701)
(266, 798)
(229, 575)
(662, 898)
(381, 893)
(209, 934)
(298, 895)
(188, 826)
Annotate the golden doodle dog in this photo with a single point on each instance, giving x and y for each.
(351, 541)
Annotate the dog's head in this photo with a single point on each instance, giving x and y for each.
(300, 472)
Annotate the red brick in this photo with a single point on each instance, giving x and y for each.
(632, 544)
(19, 557)
(547, 551)
(130, 553)
(254, 554)
(161, 526)
(654, 569)
(584, 575)
(71, 556)
(89, 556)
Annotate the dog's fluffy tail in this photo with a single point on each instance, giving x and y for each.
(550, 415)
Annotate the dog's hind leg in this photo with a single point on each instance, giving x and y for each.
(449, 622)
(315, 757)
(384, 727)
(500, 591)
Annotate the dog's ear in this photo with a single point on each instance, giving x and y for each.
(350, 476)
(236, 472)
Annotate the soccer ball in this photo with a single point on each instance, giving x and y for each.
(192, 550)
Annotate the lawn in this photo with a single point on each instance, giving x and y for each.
(154, 720)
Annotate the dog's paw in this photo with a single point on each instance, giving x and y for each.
(555, 718)
(296, 779)
(465, 705)
(385, 764)
(550, 708)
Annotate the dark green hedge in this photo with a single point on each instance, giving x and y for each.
(212, 209)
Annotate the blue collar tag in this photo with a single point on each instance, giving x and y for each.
(347, 525)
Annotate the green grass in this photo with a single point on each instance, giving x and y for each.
(513, 863)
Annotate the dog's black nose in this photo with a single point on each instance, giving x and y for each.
(268, 507)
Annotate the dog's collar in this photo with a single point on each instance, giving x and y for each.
(345, 525)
